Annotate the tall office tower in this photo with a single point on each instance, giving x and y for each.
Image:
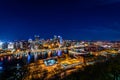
(17, 45)
(37, 41)
(37, 38)
(60, 39)
(55, 37)
(30, 40)
(31, 44)
(1, 45)
(21, 44)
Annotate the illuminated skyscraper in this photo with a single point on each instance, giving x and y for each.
(55, 37)
(31, 44)
(21, 45)
(17, 45)
(30, 41)
(60, 39)
(37, 37)
(1, 44)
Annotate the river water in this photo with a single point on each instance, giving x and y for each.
(11, 67)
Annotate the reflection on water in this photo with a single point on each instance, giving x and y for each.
(28, 58)
(1, 67)
(59, 52)
(35, 57)
(9, 66)
(12, 64)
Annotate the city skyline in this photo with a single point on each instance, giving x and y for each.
(79, 20)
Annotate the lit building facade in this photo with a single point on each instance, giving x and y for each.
(1, 45)
(10, 45)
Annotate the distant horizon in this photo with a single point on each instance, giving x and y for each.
(33, 38)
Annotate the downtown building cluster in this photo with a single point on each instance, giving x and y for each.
(32, 44)
(58, 42)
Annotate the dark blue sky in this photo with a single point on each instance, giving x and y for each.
(72, 19)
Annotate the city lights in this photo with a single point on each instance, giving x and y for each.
(55, 55)
(59, 40)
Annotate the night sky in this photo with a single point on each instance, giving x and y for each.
(72, 19)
